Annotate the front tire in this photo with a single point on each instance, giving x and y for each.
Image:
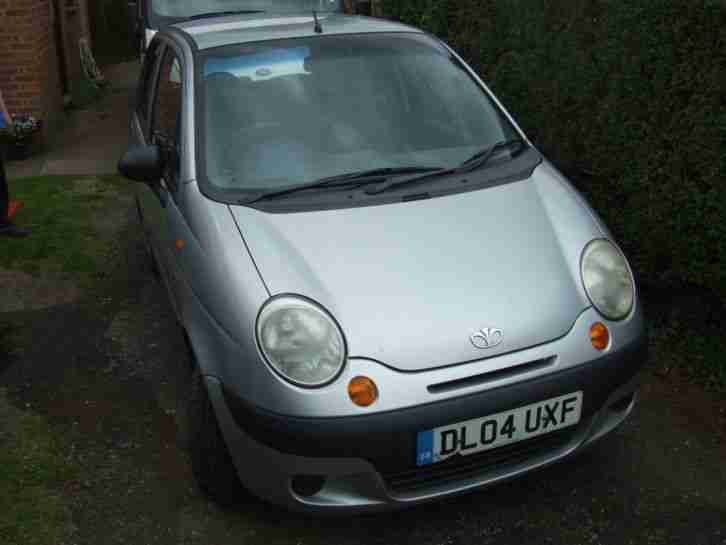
(211, 462)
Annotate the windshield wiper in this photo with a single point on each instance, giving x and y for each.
(224, 13)
(481, 158)
(362, 177)
(478, 160)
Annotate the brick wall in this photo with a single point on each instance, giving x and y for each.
(22, 53)
(53, 95)
(29, 55)
(50, 94)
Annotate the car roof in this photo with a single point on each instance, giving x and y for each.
(238, 29)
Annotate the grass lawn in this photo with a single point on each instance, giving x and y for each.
(33, 472)
(67, 216)
(76, 224)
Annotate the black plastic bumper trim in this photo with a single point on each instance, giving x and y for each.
(483, 378)
(388, 439)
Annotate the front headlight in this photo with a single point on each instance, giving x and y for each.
(607, 279)
(301, 341)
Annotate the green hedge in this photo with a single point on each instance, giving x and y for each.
(628, 97)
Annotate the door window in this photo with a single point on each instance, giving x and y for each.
(166, 126)
(146, 86)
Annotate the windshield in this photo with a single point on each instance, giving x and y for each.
(278, 114)
(188, 8)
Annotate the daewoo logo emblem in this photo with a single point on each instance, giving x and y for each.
(487, 338)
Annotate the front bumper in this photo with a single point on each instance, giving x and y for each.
(369, 461)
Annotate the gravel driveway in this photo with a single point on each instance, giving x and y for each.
(103, 370)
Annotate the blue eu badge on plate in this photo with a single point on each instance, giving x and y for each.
(425, 448)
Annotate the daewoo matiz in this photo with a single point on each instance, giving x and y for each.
(390, 295)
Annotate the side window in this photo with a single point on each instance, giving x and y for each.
(146, 86)
(166, 125)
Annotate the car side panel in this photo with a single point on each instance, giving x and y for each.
(218, 288)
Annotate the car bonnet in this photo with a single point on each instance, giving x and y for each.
(432, 283)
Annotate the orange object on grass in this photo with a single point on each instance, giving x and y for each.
(13, 208)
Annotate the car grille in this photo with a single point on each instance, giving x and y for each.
(478, 380)
(460, 468)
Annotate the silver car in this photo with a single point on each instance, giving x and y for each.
(390, 295)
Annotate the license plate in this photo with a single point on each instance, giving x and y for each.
(499, 429)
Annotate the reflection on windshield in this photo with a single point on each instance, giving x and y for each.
(274, 63)
(288, 112)
(190, 8)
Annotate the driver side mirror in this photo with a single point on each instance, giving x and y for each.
(142, 164)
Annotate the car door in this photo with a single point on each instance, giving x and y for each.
(143, 98)
(159, 205)
(147, 196)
